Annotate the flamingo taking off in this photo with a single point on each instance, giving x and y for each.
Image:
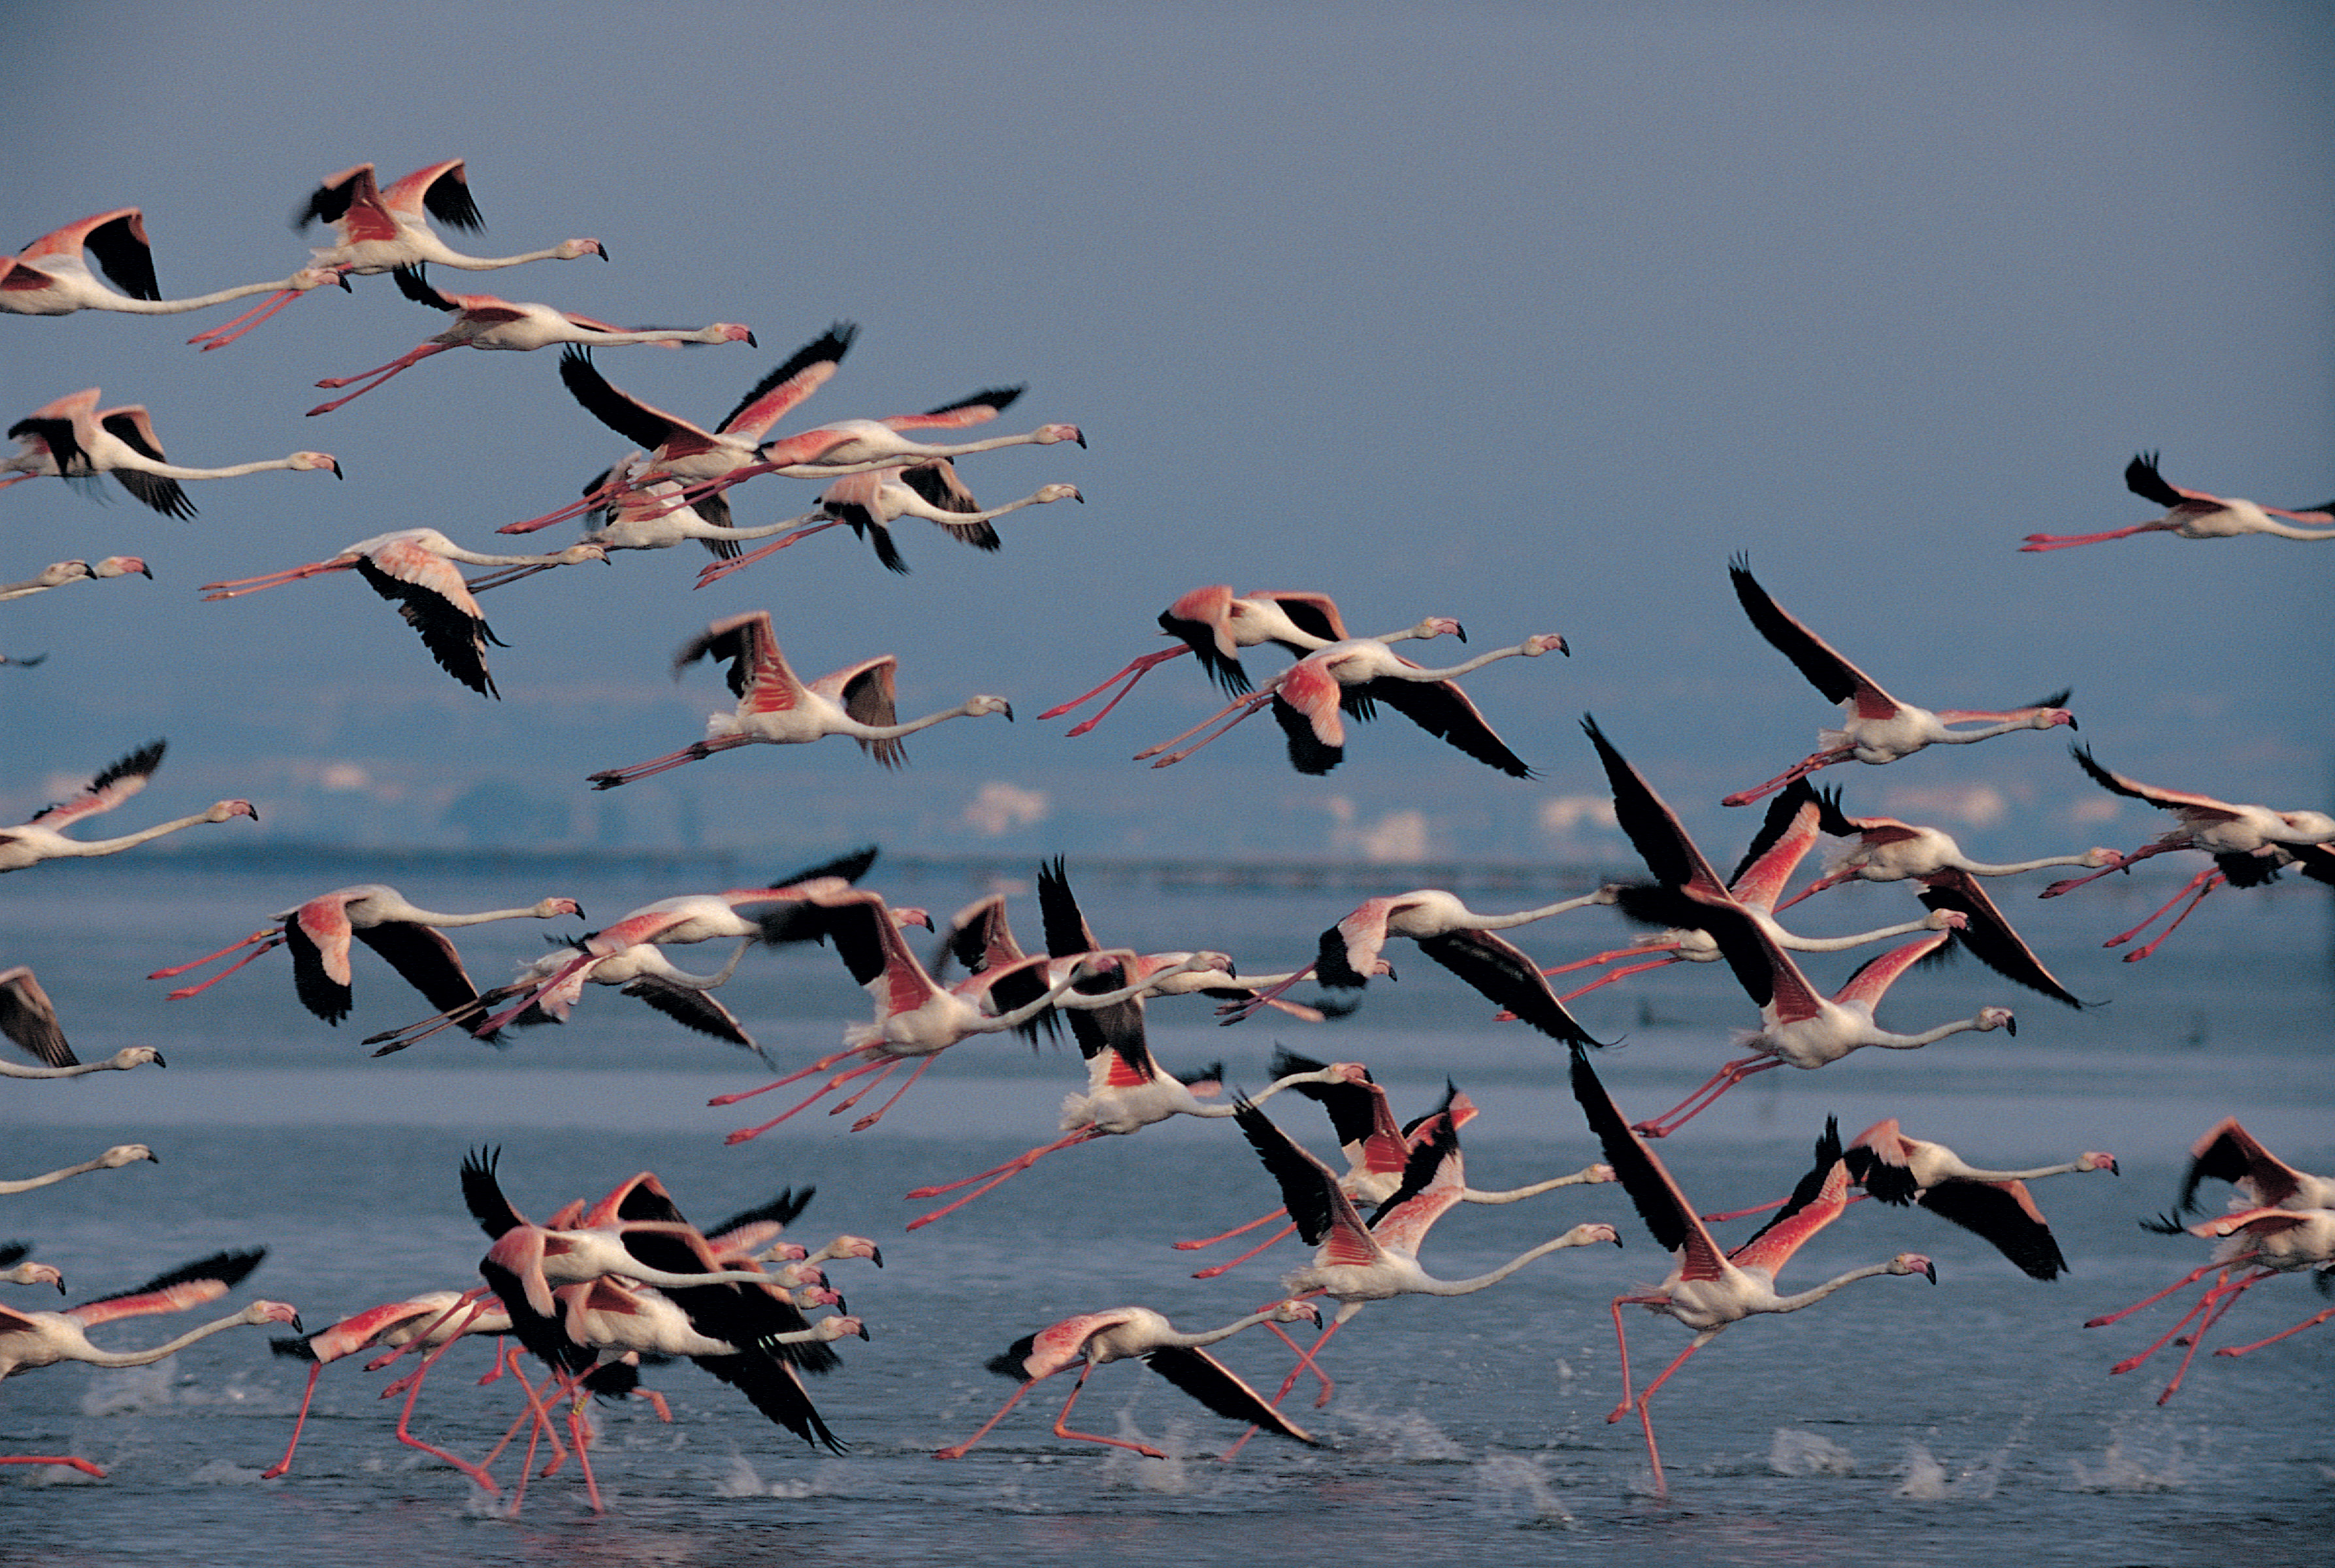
(72, 438)
(42, 837)
(776, 708)
(1875, 727)
(1708, 1288)
(2195, 515)
(50, 277)
(404, 933)
(1094, 1339)
(415, 569)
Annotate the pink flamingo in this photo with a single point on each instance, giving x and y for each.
(407, 937)
(551, 986)
(869, 503)
(2268, 1242)
(50, 277)
(486, 322)
(2229, 1153)
(1888, 850)
(42, 836)
(381, 231)
(31, 1340)
(415, 569)
(776, 708)
(2194, 515)
(1213, 625)
(114, 1158)
(72, 438)
(2237, 836)
(57, 575)
(1094, 1339)
(1708, 1288)
(1311, 698)
(1875, 727)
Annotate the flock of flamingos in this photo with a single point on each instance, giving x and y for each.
(597, 1289)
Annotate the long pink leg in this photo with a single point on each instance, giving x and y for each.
(1139, 667)
(957, 1450)
(236, 588)
(1018, 1163)
(1283, 1335)
(1799, 770)
(708, 576)
(373, 378)
(2038, 542)
(1245, 708)
(1623, 972)
(1761, 1209)
(2197, 1309)
(1622, 1342)
(1282, 1234)
(1014, 1168)
(1614, 955)
(2127, 862)
(2190, 1278)
(403, 1436)
(1646, 1415)
(1238, 1012)
(486, 580)
(821, 1065)
(2228, 1301)
(221, 336)
(1235, 1231)
(1818, 885)
(1703, 1099)
(299, 1421)
(83, 1465)
(2311, 1323)
(262, 934)
(873, 1117)
(609, 777)
(2205, 881)
(538, 1408)
(884, 1064)
(1062, 1430)
(1305, 1360)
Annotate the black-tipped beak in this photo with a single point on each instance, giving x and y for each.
(2071, 722)
(158, 1061)
(255, 811)
(147, 572)
(2114, 1171)
(1458, 630)
(153, 1158)
(603, 254)
(296, 1326)
(61, 1285)
(875, 1257)
(1080, 497)
(1008, 713)
(863, 1331)
(346, 288)
(1390, 974)
(2011, 1027)
(336, 469)
(1082, 440)
(750, 343)
(1932, 1271)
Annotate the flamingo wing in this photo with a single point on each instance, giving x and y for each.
(482, 1195)
(1816, 1202)
(425, 959)
(330, 202)
(188, 1285)
(637, 421)
(1359, 1113)
(1790, 829)
(445, 194)
(2141, 477)
(1442, 709)
(413, 283)
(1223, 1392)
(1326, 1217)
(317, 936)
(1675, 1226)
(1988, 936)
(2201, 807)
(1504, 972)
(1201, 621)
(757, 673)
(2229, 1153)
(1434, 1176)
(29, 1019)
(804, 372)
(42, 432)
(1838, 680)
(1875, 975)
(691, 1008)
(1313, 614)
(2005, 1215)
(118, 240)
(976, 409)
(431, 596)
(115, 783)
(1654, 829)
(865, 689)
(937, 483)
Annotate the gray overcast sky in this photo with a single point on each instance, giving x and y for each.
(1529, 315)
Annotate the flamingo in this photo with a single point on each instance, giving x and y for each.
(58, 574)
(114, 1158)
(381, 231)
(41, 837)
(1210, 623)
(2194, 515)
(776, 708)
(2229, 1153)
(318, 932)
(49, 276)
(485, 321)
(15, 1272)
(1798, 1027)
(2237, 836)
(2267, 1242)
(1875, 727)
(413, 568)
(1889, 850)
(1708, 1288)
(1356, 1263)
(1993, 1204)
(869, 503)
(1311, 698)
(33, 1339)
(72, 438)
(553, 984)
(1455, 937)
(1094, 1339)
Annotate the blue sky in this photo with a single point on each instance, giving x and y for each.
(1527, 316)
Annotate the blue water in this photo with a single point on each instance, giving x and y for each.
(1972, 1421)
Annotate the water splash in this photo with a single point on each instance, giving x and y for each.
(1925, 1478)
(1520, 1487)
(1796, 1453)
(2128, 1467)
(1409, 1436)
(225, 1472)
(131, 1391)
(1126, 1467)
(743, 1480)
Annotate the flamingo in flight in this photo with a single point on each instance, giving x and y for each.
(1311, 699)
(379, 230)
(1875, 727)
(548, 989)
(652, 514)
(1213, 625)
(1094, 1339)
(1993, 1204)
(2195, 515)
(33, 1339)
(58, 574)
(407, 937)
(72, 438)
(2264, 1243)
(2246, 843)
(1885, 849)
(114, 1158)
(42, 836)
(1455, 937)
(485, 321)
(776, 708)
(869, 503)
(415, 569)
(49, 276)
(1357, 1262)
(1708, 1288)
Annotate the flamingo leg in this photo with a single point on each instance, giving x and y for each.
(957, 1450)
(580, 1432)
(883, 1063)
(1283, 1335)
(2311, 1323)
(83, 1465)
(1623, 972)
(1239, 1012)
(1799, 770)
(1137, 669)
(538, 1408)
(719, 569)
(2228, 1300)
(1062, 1430)
(2197, 1309)
(376, 377)
(1235, 1231)
(236, 588)
(221, 335)
(2190, 1278)
(1305, 1360)
(1003, 1175)
(2038, 542)
(609, 777)
(485, 580)
(1646, 1416)
(262, 934)
(872, 1117)
(1278, 1237)
(299, 1421)
(1612, 955)
(1818, 885)
(2205, 881)
(1701, 1099)
(2125, 863)
(405, 1436)
(823, 1064)
(1244, 707)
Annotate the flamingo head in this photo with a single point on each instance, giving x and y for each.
(131, 1056)
(2314, 826)
(36, 1274)
(303, 461)
(1297, 1311)
(736, 332)
(980, 707)
(2097, 1159)
(222, 810)
(817, 1296)
(553, 908)
(1047, 435)
(120, 567)
(272, 1313)
(856, 1247)
(309, 277)
(1545, 642)
(1588, 1234)
(2051, 718)
(1049, 493)
(1913, 1263)
(2099, 857)
(1438, 627)
(569, 249)
(1947, 919)
(911, 915)
(122, 1154)
(1991, 1019)
(576, 555)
